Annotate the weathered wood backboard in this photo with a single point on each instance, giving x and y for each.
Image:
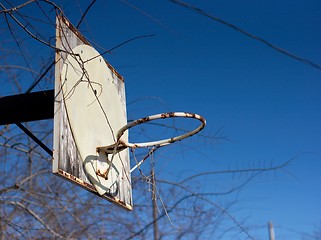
(90, 107)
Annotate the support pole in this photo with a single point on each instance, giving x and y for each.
(27, 107)
(154, 199)
(33, 137)
(271, 231)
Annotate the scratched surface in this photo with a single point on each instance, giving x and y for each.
(67, 161)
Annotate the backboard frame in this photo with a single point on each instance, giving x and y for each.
(67, 161)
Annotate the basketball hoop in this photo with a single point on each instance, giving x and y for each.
(121, 145)
(163, 142)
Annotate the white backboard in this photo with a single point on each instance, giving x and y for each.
(90, 107)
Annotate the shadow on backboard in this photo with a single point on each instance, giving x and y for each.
(92, 160)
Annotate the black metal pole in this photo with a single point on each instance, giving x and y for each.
(34, 138)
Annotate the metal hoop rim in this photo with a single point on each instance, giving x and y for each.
(166, 141)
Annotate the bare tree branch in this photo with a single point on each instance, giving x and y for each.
(85, 13)
(38, 218)
(233, 171)
(17, 7)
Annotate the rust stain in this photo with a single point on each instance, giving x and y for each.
(83, 39)
(87, 186)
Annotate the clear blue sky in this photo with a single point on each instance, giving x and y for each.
(268, 104)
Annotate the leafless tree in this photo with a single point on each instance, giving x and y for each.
(38, 205)
(315, 235)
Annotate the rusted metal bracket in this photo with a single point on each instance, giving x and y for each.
(107, 151)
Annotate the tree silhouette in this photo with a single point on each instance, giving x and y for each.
(38, 205)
